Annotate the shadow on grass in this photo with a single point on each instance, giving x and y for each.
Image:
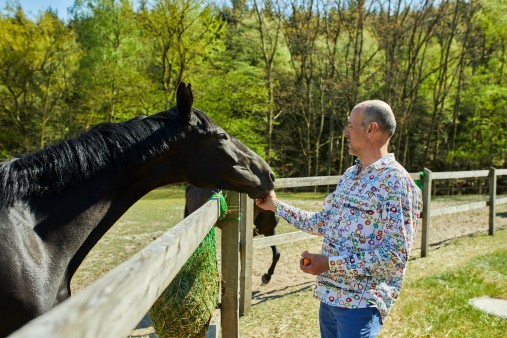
(501, 214)
(258, 297)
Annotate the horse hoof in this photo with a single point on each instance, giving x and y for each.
(266, 279)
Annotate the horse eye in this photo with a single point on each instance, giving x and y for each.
(222, 137)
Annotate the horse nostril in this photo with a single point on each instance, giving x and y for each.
(272, 177)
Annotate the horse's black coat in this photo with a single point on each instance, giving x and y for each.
(56, 203)
(265, 221)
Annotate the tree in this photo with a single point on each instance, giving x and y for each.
(38, 62)
(269, 26)
(113, 85)
(183, 33)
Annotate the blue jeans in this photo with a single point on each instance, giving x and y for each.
(339, 322)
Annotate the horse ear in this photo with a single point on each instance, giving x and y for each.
(184, 100)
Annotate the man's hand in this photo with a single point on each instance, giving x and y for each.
(268, 203)
(318, 263)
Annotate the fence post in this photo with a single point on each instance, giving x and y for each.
(426, 212)
(230, 267)
(246, 253)
(492, 200)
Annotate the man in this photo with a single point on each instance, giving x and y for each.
(368, 224)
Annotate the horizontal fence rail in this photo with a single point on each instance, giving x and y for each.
(312, 181)
(280, 239)
(115, 303)
(458, 208)
(459, 174)
(306, 181)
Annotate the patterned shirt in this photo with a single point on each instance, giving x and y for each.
(368, 224)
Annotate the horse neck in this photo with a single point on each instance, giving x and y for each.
(93, 208)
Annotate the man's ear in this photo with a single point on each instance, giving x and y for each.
(372, 127)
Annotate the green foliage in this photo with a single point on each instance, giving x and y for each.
(486, 123)
(233, 95)
(113, 83)
(181, 35)
(38, 61)
(281, 76)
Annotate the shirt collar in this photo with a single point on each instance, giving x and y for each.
(379, 164)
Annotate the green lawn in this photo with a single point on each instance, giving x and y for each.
(434, 301)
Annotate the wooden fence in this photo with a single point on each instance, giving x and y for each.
(116, 302)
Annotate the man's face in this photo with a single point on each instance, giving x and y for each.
(354, 133)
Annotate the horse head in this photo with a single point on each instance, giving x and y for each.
(209, 157)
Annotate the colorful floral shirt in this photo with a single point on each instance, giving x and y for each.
(368, 224)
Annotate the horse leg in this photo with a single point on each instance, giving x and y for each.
(266, 278)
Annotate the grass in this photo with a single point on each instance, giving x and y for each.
(433, 301)
(436, 304)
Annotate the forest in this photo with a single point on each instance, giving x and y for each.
(280, 75)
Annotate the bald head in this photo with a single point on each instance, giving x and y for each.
(380, 112)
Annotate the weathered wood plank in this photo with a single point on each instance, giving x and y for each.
(306, 181)
(492, 201)
(262, 242)
(459, 208)
(246, 253)
(296, 182)
(426, 212)
(415, 176)
(502, 200)
(230, 267)
(501, 172)
(115, 303)
(459, 174)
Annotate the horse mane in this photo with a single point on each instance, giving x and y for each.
(107, 147)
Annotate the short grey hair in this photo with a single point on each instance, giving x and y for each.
(380, 112)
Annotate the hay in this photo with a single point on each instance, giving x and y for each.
(187, 304)
(185, 307)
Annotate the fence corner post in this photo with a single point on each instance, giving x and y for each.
(492, 200)
(246, 254)
(426, 214)
(230, 267)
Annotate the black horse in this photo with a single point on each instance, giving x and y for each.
(56, 203)
(265, 221)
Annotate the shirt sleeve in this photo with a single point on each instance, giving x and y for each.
(401, 212)
(307, 221)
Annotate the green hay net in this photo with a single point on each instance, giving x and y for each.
(187, 304)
